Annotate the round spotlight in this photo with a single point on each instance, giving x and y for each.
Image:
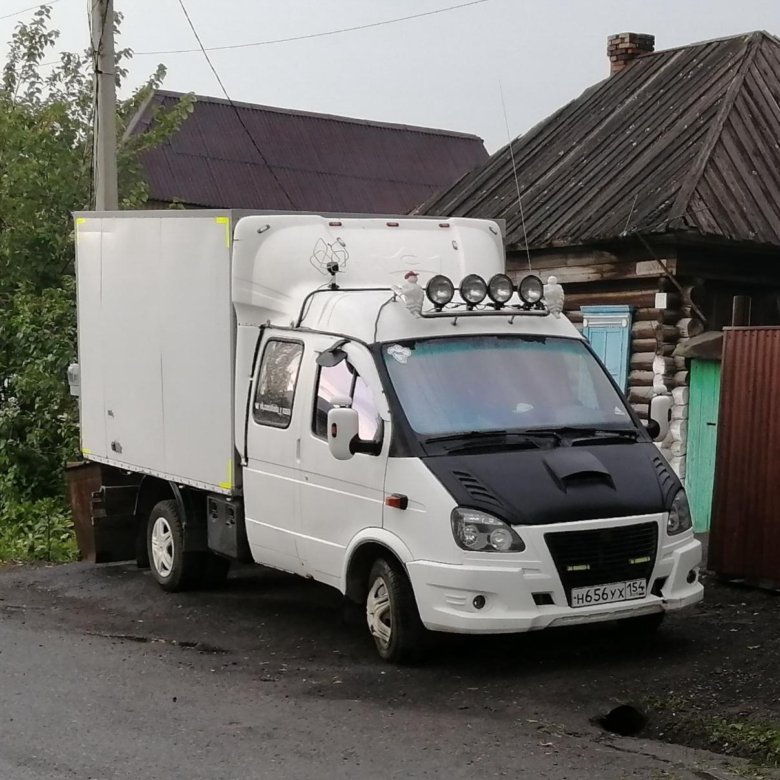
(531, 290)
(500, 289)
(440, 291)
(473, 289)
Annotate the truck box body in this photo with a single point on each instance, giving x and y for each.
(156, 341)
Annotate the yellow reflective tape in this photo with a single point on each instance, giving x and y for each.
(229, 484)
(226, 222)
(85, 451)
(81, 220)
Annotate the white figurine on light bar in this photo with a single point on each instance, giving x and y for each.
(412, 293)
(553, 296)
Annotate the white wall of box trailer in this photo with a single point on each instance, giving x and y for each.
(156, 343)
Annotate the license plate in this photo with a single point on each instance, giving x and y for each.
(606, 594)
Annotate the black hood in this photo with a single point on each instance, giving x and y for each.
(560, 485)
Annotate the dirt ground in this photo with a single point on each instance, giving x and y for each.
(709, 679)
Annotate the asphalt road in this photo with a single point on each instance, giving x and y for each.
(102, 676)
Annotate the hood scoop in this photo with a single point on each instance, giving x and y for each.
(570, 468)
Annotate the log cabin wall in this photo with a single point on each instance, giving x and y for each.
(601, 278)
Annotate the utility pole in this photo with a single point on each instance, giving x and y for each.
(106, 196)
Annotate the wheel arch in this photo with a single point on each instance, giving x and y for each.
(361, 554)
(190, 503)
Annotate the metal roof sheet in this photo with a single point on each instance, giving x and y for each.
(324, 162)
(686, 139)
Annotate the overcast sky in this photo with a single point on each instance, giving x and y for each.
(441, 70)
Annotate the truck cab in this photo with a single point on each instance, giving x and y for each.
(419, 431)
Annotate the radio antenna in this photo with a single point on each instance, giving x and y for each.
(514, 173)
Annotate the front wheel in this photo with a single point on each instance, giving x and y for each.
(392, 616)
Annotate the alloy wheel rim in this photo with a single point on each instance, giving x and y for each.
(162, 547)
(379, 613)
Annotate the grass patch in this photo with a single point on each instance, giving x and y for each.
(678, 721)
(37, 531)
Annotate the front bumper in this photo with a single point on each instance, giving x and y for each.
(445, 593)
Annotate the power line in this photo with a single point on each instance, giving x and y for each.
(313, 35)
(234, 107)
(25, 10)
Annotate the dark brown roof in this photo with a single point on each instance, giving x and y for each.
(324, 163)
(686, 139)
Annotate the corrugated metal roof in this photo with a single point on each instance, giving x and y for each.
(682, 140)
(324, 163)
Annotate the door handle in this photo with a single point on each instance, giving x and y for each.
(298, 450)
(712, 424)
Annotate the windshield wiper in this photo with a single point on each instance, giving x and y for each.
(491, 438)
(577, 433)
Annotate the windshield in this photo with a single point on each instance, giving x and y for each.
(489, 383)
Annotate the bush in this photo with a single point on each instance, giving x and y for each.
(37, 531)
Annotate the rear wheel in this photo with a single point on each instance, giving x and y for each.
(172, 567)
(392, 616)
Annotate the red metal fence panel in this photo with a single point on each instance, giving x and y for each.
(745, 533)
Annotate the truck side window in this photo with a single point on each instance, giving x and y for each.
(275, 389)
(342, 380)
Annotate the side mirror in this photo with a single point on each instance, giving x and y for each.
(343, 429)
(660, 417)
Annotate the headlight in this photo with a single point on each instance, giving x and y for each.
(440, 291)
(500, 289)
(530, 289)
(481, 532)
(679, 515)
(473, 289)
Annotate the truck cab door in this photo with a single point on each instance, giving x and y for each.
(271, 475)
(339, 498)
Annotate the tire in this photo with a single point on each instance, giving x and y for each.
(172, 567)
(641, 626)
(391, 613)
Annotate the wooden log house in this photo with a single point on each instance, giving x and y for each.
(654, 198)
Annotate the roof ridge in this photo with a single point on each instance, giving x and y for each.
(707, 42)
(682, 201)
(319, 115)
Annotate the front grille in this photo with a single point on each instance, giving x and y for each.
(603, 555)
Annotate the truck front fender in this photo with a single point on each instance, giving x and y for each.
(364, 548)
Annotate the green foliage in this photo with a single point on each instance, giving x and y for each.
(45, 174)
(747, 737)
(750, 739)
(37, 531)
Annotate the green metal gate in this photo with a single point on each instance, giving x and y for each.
(702, 438)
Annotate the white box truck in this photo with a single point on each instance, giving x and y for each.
(372, 403)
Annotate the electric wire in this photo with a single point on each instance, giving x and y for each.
(235, 107)
(30, 8)
(314, 35)
(514, 171)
